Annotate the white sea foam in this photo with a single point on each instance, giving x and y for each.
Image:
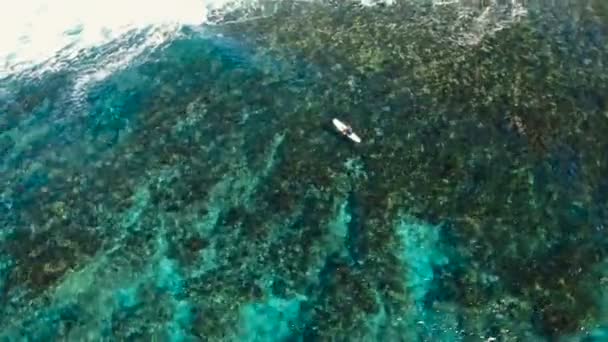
(50, 34)
(44, 32)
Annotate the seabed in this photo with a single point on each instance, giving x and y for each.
(202, 195)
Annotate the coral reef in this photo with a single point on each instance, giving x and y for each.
(202, 195)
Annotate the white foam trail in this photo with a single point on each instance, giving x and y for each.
(122, 57)
(375, 2)
(34, 31)
(483, 18)
(50, 33)
(495, 17)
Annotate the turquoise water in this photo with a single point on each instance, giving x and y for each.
(201, 194)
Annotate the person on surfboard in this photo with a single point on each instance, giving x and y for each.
(347, 130)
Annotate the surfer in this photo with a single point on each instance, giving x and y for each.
(347, 130)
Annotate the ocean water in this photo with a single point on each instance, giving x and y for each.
(170, 172)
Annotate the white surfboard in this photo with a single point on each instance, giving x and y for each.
(341, 126)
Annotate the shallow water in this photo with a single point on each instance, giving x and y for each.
(183, 182)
